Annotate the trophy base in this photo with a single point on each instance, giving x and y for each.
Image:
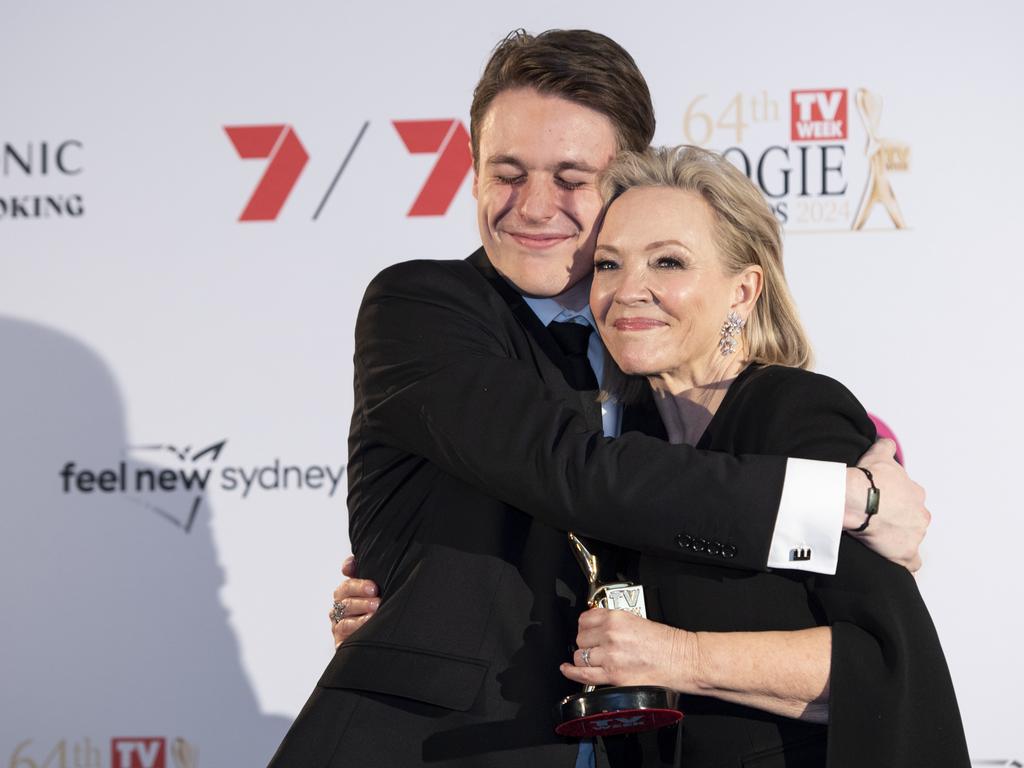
(615, 710)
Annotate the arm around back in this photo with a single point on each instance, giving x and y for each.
(445, 373)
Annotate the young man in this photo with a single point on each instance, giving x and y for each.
(477, 441)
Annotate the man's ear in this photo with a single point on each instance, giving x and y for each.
(476, 179)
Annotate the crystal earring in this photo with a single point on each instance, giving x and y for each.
(730, 330)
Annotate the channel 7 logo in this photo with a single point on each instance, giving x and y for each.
(286, 157)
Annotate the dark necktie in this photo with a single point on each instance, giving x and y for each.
(573, 339)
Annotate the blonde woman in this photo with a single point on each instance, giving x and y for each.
(776, 668)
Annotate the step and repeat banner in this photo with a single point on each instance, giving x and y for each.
(193, 197)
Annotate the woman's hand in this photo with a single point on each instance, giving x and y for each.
(783, 672)
(358, 600)
(623, 649)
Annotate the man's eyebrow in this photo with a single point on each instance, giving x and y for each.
(571, 165)
(505, 160)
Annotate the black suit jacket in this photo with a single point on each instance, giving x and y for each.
(470, 457)
(891, 700)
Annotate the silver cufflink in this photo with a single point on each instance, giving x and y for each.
(800, 553)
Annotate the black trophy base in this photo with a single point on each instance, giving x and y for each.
(618, 709)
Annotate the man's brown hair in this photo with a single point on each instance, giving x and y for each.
(578, 65)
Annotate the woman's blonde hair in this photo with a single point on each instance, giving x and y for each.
(746, 233)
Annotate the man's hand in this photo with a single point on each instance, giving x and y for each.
(359, 601)
(902, 520)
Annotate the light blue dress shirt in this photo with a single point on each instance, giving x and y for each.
(549, 311)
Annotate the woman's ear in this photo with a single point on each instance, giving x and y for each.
(747, 289)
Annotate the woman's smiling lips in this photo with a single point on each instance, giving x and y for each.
(637, 324)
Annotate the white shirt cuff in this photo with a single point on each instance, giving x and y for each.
(810, 519)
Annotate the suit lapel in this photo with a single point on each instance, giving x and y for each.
(587, 401)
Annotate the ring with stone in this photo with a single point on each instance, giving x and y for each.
(337, 612)
(585, 656)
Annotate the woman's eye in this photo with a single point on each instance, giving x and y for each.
(603, 265)
(669, 262)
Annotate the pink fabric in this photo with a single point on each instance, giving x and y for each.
(885, 431)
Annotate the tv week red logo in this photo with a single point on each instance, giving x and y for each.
(818, 115)
(138, 752)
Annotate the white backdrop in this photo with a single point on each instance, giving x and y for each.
(151, 617)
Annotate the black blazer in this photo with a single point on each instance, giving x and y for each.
(891, 700)
(470, 456)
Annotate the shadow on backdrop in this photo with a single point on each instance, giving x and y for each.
(114, 627)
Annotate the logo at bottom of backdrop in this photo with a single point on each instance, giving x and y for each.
(125, 752)
(151, 752)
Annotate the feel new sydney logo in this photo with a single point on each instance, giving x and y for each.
(173, 481)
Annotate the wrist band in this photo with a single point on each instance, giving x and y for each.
(872, 505)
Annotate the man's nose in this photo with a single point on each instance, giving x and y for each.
(537, 199)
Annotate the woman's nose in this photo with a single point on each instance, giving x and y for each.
(633, 286)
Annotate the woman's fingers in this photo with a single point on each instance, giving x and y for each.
(353, 607)
(599, 626)
(348, 568)
(585, 675)
(355, 601)
(588, 657)
(344, 628)
(595, 617)
(354, 588)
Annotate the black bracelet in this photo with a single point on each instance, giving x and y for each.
(872, 505)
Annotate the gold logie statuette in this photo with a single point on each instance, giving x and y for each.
(612, 710)
(621, 596)
(884, 155)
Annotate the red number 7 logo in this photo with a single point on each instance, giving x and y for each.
(450, 140)
(287, 159)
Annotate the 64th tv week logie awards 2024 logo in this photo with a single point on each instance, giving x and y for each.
(820, 156)
(124, 752)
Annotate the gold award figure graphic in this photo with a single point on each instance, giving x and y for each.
(185, 755)
(884, 155)
(612, 710)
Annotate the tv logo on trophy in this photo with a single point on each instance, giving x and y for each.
(818, 115)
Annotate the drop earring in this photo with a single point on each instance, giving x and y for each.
(730, 330)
